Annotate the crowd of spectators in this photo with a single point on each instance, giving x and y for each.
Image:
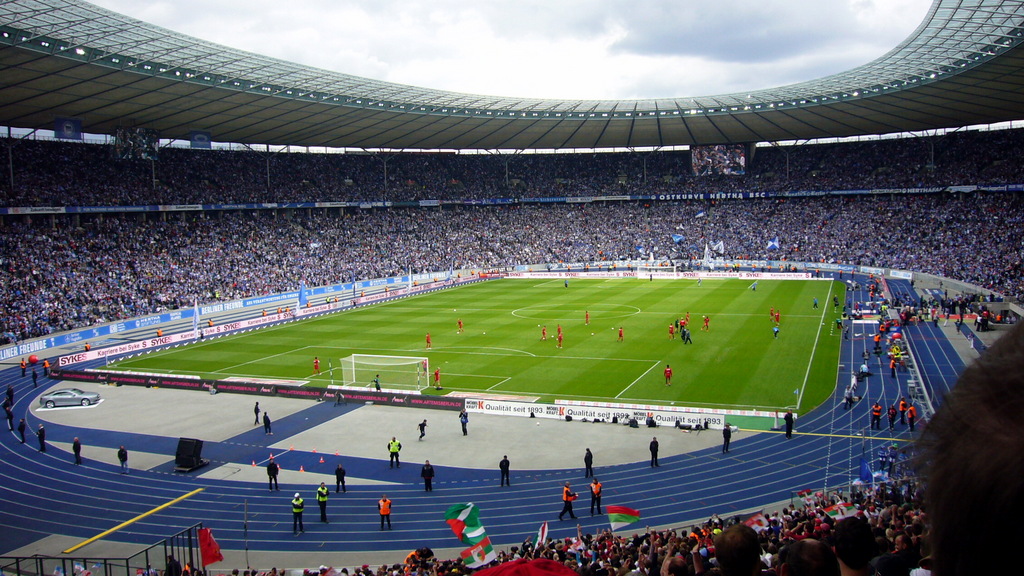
(61, 272)
(58, 173)
(885, 529)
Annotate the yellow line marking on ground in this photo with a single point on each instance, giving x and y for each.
(132, 521)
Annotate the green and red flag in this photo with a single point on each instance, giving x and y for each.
(479, 554)
(542, 534)
(620, 516)
(464, 520)
(841, 510)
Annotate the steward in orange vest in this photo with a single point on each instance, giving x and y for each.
(595, 496)
(567, 499)
(384, 507)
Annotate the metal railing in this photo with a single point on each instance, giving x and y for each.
(183, 546)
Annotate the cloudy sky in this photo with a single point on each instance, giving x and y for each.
(563, 49)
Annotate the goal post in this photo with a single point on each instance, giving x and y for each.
(657, 270)
(402, 372)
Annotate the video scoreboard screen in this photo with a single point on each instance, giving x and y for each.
(728, 159)
(136, 143)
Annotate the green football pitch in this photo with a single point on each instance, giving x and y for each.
(736, 364)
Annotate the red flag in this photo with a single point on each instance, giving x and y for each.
(758, 522)
(208, 547)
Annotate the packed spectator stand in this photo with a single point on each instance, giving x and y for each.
(56, 173)
(62, 272)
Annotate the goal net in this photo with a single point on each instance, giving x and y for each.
(656, 270)
(403, 372)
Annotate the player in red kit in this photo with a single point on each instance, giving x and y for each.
(559, 339)
(316, 365)
(437, 379)
(621, 337)
(423, 373)
(668, 375)
(544, 333)
(705, 327)
(671, 332)
(460, 325)
(778, 316)
(771, 313)
(587, 316)
(428, 340)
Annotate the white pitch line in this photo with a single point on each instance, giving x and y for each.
(524, 352)
(499, 383)
(653, 366)
(559, 356)
(261, 359)
(807, 373)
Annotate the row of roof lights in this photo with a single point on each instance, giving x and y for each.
(695, 111)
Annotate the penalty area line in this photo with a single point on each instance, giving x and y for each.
(499, 383)
(653, 366)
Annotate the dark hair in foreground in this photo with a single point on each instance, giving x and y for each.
(738, 550)
(971, 452)
(854, 542)
(811, 557)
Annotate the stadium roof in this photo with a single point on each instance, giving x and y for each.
(963, 65)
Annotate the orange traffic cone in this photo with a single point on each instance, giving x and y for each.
(321, 459)
(253, 462)
(301, 469)
(292, 447)
(314, 450)
(336, 453)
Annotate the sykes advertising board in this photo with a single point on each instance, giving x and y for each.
(524, 409)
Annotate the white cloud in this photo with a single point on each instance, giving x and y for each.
(554, 49)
